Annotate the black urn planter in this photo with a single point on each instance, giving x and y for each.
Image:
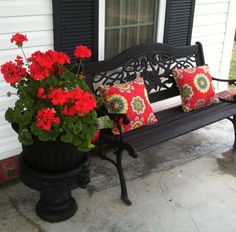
(54, 169)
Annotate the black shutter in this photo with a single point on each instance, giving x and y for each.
(179, 22)
(75, 23)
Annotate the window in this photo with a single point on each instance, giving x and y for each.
(129, 22)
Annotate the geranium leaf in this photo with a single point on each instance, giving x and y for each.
(25, 137)
(10, 115)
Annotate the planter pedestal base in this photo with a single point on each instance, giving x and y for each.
(56, 203)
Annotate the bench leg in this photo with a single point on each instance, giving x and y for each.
(118, 164)
(234, 124)
(233, 120)
(124, 193)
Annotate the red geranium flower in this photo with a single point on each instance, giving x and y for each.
(19, 39)
(45, 119)
(79, 103)
(57, 99)
(19, 60)
(41, 93)
(57, 96)
(12, 72)
(44, 64)
(82, 52)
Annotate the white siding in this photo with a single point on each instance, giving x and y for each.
(214, 26)
(33, 18)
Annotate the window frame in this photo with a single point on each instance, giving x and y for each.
(101, 26)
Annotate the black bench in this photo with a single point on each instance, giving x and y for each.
(154, 62)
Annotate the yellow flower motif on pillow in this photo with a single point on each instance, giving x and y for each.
(202, 83)
(138, 105)
(186, 92)
(137, 123)
(116, 103)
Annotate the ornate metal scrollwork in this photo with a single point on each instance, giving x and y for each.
(155, 68)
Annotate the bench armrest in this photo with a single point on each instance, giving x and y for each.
(231, 82)
(117, 118)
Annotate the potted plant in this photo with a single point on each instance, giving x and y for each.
(56, 121)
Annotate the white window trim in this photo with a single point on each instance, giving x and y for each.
(101, 26)
(161, 21)
(101, 29)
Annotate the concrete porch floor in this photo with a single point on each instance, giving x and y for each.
(187, 184)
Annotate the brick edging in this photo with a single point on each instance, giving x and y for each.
(9, 169)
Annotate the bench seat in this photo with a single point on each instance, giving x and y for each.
(172, 122)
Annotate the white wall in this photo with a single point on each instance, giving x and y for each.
(33, 18)
(214, 26)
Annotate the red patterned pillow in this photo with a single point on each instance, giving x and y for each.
(195, 86)
(129, 98)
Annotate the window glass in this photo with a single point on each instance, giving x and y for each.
(112, 42)
(146, 34)
(129, 22)
(147, 11)
(112, 17)
(128, 37)
(129, 12)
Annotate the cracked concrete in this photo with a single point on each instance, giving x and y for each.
(185, 184)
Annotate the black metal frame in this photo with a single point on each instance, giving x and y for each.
(154, 62)
(233, 120)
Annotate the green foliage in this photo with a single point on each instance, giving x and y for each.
(10, 115)
(25, 137)
(51, 103)
(77, 130)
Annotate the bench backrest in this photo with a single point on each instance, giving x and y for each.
(153, 62)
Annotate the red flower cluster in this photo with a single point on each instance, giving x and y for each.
(57, 96)
(82, 52)
(19, 39)
(45, 119)
(74, 102)
(79, 103)
(44, 64)
(13, 72)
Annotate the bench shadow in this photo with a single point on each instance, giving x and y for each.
(227, 161)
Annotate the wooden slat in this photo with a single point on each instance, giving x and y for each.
(173, 123)
(209, 30)
(7, 55)
(206, 9)
(35, 39)
(26, 23)
(198, 2)
(210, 19)
(23, 8)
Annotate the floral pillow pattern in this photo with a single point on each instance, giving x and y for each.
(195, 86)
(129, 98)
